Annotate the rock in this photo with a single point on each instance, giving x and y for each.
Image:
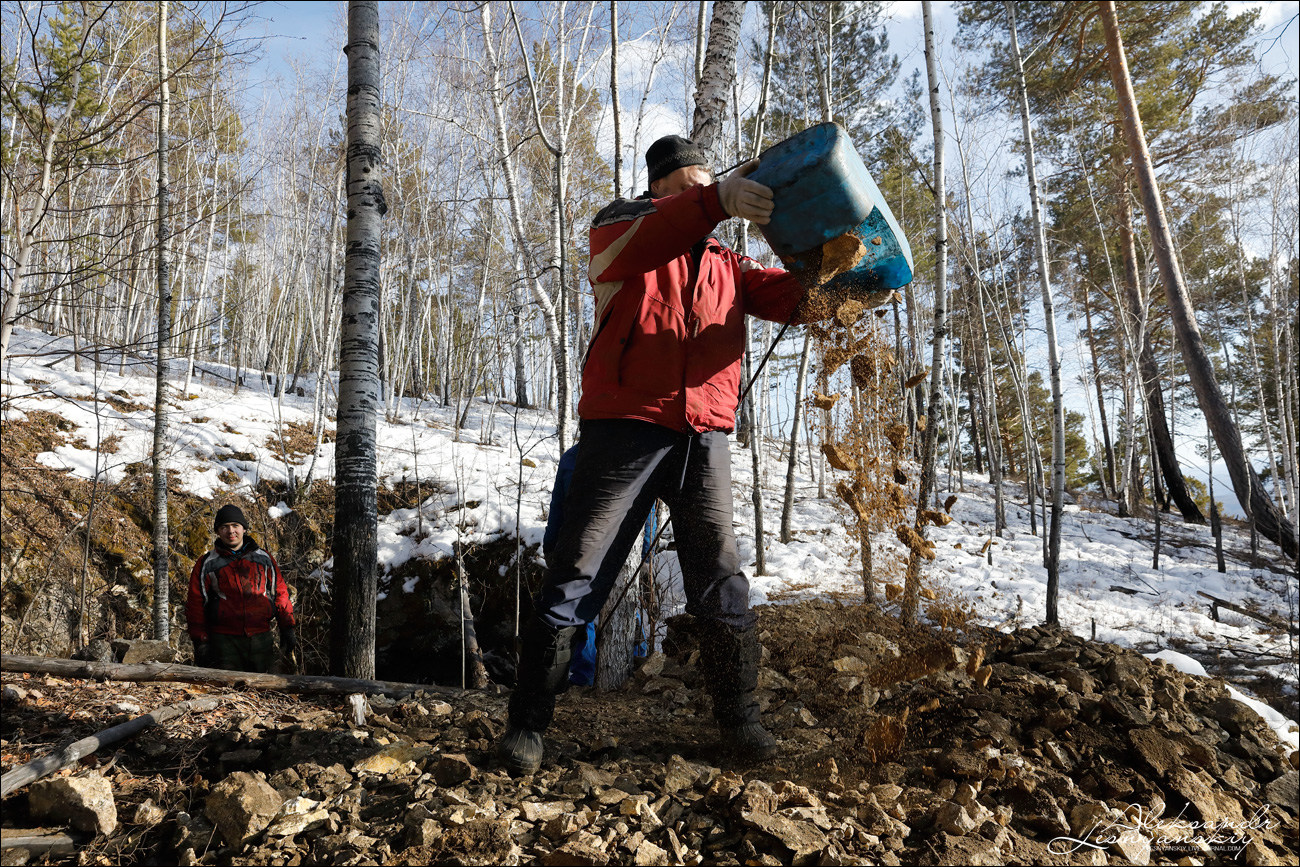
(680, 774)
(1126, 665)
(439, 708)
(453, 769)
(1125, 712)
(801, 838)
(544, 811)
(422, 830)
(241, 806)
(1078, 680)
(1284, 792)
(296, 816)
(1205, 794)
(1041, 812)
(398, 758)
(653, 665)
(650, 855)
(563, 826)
(1132, 846)
(128, 707)
(1156, 750)
(1235, 716)
(962, 763)
(875, 650)
(952, 818)
(575, 854)
(969, 850)
(143, 650)
(1085, 818)
(148, 814)
(98, 650)
(757, 797)
(84, 802)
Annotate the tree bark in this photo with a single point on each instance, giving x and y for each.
(1053, 559)
(1108, 474)
(718, 72)
(613, 99)
(356, 518)
(161, 559)
(787, 506)
(167, 672)
(1149, 371)
(912, 584)
(1250, 491)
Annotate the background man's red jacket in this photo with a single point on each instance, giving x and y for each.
(668, 341)
(236, 593)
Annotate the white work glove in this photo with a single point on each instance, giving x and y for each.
(741, 197)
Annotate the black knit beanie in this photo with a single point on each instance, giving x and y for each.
(230, 514)
(671, 153)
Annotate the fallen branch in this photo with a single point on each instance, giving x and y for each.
(1272, 620)
(75, 752)
(299, 684)
(37, 841)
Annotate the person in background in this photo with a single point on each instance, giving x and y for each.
(582, 667)
(236, 595)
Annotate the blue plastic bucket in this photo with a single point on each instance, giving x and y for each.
(822, 192)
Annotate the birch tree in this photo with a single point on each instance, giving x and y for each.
(912, 585)
(716, 77)
(161, 572)
(354, 587)
(1053, 557)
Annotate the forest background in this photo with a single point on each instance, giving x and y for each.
(498, 144)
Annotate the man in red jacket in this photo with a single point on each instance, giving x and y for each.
(660, 384)
(236, 593)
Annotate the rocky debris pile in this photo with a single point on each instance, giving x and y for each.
(897, 747)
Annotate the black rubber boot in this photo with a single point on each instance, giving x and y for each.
(544, 656)
(730, 659)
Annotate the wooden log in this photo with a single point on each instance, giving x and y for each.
(75, 752)
(38, 841)
(1271, 620)
(166, 672)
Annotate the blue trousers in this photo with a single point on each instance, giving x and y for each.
(622, 467)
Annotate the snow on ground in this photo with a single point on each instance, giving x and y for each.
(499, 469)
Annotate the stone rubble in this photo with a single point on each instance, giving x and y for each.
(892, 752)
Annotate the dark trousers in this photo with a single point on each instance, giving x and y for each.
(243, 652)
(623, 466)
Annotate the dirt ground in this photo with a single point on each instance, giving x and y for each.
(896, 746)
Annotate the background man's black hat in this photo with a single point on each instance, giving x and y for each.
(230, 514)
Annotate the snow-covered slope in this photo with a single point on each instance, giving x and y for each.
(503, 463)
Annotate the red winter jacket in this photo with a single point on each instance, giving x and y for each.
(669, 338)
(236, 593)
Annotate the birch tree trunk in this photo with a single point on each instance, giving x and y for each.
(787, 506)
(352, 627)
(1053, 559)
(161, 576)
(718, 72)
(613, 99)
(912, 584)
(1249, 489)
